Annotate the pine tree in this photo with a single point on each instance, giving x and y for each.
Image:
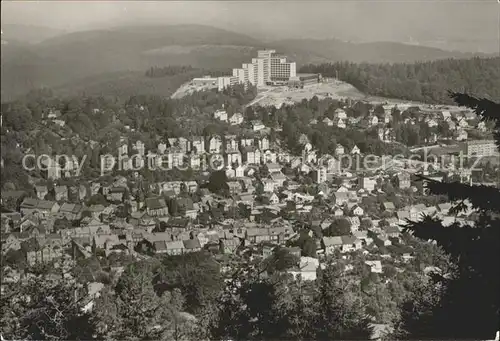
(44, 309)
(340, 314)
(470, 304)
(135, 311)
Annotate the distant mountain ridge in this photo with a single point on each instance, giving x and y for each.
(335, 50)
(28, 34)
(69, 57)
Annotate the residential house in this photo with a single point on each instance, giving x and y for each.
(342, 243)
(375, 266)
(461, 135)
(273, 168)
(257, 235)
(198, 144)
(403, 180)
(269, 185)
(444, 208)
(327, 121)
(363, 236)
(41, 192)
(83, 193)
(180, 143)
(95, 187)
(278, 178)
(339, 150)
(445, 115)
(357, 211)
(38, 253)
(432, 123)
(470, 115)
(355, 150)
(462, 123)
(229, 246)
(251, 155)
(257, 125)
(306, 270)
(283, 157)
(340, 113)
(95, 210)
(234, 157)
(116, 194)
(368, 183)
(162, 147)
(105, 241)
(303, 139)
(221, 115)
(269, 156)
(337, 211)
(239, 172)
(192, 245)
(295, 251)
(234, 187)
(230, 173)
(175, 247)
(156, 207)
(264, 143)
(194, 161)
(44, 207)
(271, 198)
(370, 121)
(246, 142)
(61, 193)
(341, 198)
(388, 206)
(279, 235)
(339, 123)
(231, 143)
(354, 222)
(71, 211)
(236, 119)
(191, 186)
(215, 144)
(139, 147)
(310, 156)
(295, 162)
(391, 231)
(384, 240)
(304, 168)
(331, 163)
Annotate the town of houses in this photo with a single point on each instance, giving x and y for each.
(270, 193)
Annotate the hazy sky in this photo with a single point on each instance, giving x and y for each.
(375, 20)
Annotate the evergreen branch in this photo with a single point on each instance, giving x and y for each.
(484, 198)
(484, 108)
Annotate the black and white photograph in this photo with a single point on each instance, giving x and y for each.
(250, 170)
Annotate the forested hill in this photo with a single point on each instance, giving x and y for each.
(425, 82)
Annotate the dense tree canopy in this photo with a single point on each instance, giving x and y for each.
(426, 82)
(475, 251)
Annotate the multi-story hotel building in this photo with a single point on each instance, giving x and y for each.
(281, 70)
(267, 68)
(226, 81)
(480, 148)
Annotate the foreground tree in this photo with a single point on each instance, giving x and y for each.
(340, 314)
(279, 307)
(135, 312)
(469, 306)
(196, 275)
(45, 309)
